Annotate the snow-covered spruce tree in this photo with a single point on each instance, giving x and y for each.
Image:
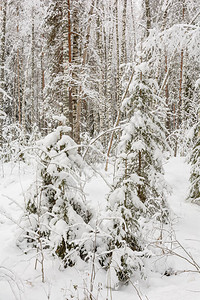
(139, 187)
(57, 214)
(194, 193)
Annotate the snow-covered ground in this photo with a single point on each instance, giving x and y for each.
(19, 279)
(186, 223)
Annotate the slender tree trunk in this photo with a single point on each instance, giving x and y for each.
(148, 16)
(118, 92)
(42, 86)
(70, 61)
(105, 77)
(18, 72)
(66, 61)
(140, 195)
(180, 90)
(123, 44)
(24, 97)
(181, 74)
(33, 115)
(98, 109)
(14, 110)
(167, 122)
(110, 108)
(2, 65)
(82, 103)
(75, 61)
(134, 35)
(180, 86)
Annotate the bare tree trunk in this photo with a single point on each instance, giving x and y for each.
(134, 35)
(110, 108)
(167, 122)
(70, 60)
(105, 88)
(123, 44)
(180, 85)
(98, 109)
(148, 16)
(180, 90)
(66, 61)
(2, 65)
(82, 103)
(118, 92)
(23, 98)
(181, 74)
(75, 61)
(18, 72)
(42, 86)
(14, 110)
(33, 119)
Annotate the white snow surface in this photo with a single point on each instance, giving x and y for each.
(19, 279)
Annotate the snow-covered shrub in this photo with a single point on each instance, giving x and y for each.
(122, 246)
(15, 140)
(57, 213)
(139, 187)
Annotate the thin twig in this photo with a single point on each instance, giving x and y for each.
(136, 290)
(118, 119)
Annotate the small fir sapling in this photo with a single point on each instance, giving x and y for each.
(56, 206)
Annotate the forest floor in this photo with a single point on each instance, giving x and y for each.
(19, 279)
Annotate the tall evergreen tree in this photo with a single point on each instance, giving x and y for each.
(139, 186)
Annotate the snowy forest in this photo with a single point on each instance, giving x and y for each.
(100, 149)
